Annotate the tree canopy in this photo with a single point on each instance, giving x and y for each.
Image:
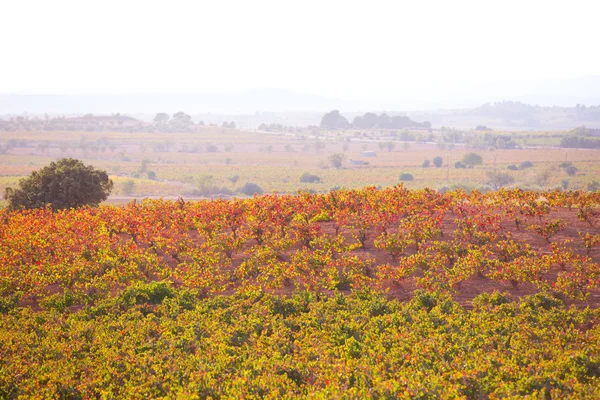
(334, 120)
(66, 183)
(472, 159)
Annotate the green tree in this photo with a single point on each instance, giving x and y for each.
(333, 120)
(161, 118)
(472, 159)
(181, 117)
(66, 183)
(438, 161)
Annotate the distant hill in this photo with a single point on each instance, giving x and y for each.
(530, 104)
(515, 115)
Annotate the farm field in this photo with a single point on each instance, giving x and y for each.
(218, 161)
(390, 293)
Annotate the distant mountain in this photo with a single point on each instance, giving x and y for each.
(238, 102)
(543, 92)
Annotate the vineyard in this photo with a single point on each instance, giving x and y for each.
(366, 293)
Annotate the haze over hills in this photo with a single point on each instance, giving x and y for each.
(234, 102)
(546, 92)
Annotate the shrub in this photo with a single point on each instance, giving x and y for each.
(147, 293)
(499, 179)
(571, 170)
(58, 301)
(565, 164)
(426, 164)
(526, 164)
(472, 159)
(457, 186)
(9, 302)
(540, 301)
(309, 178)
(513, 167)
(593, 186)
(405, 176)
(250, 189)
(337, 160)
(211, 190)
(151, 175)
(491, 299)
(459, 164)
(484, 188)
(128, 186)
(438, 161)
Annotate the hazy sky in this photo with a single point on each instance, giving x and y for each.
(334, 48)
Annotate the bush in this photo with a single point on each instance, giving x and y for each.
(211, 148)
(526, 164)
(565, 164)
(459, 164)
(406, 177)
(250, 189)
(499, 179)
(472, 159)
(337, 160)
(438, 161)
(146, 293)
(593, 186)
(9, 302)
(128, 186)
(66, 183)
(456, 186)
(491, 299)
(151, 175)
(539, 301)
(426, 164)
(211, 190)
(309, 178)
(484, 188)
(571, 170)
(513, 167)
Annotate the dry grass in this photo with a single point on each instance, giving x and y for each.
(275, 162)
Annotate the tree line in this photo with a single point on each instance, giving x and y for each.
(334, 120)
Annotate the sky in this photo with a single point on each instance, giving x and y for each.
(332, 48)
